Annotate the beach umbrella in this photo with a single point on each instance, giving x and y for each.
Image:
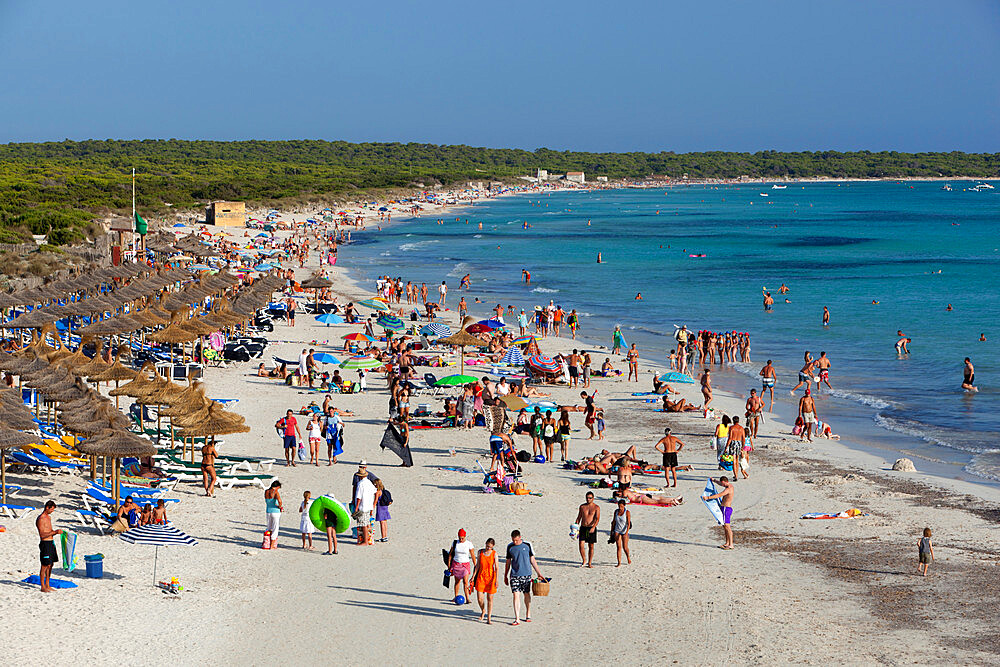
(325, 358)
(329, 318)
(374, 304)
(361, 361)
(454, 380)
(157, 535)
(478, 328)
(316, 283)
(116, 443)
(492, 323)
(390, 323)
(523, 340)
(674, 376)
(513, 402)
(199, 267)
(263, 267)
(10, 438)
(435, 329)
(358, 336)
(543, 364)
(512, 357)
(461, 338)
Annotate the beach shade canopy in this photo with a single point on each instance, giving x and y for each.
(358, 336)
(492, 324)
(513, 402)
(157, 536)
(10, 438)
(454, 381)
(361, 361)
(435, 329)
(374, 304)
(512, 357)
(391, 323)
(199, 267)
(523, 340)
(326, 358)
(676, 377)
(263, 267)
(329, 318)
(461, 338)
(477, 328)
(543, 364)
(316, 282)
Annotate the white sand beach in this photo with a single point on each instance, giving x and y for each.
(792, 591)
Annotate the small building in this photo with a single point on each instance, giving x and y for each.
(226, 214)
(602, 179)
(575, 177)
(542, 175)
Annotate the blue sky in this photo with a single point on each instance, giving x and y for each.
(603, 76)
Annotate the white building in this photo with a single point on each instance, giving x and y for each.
(575, 177)
(542, 175)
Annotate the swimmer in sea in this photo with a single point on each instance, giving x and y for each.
(982, 338)
(874, 302)
(638, 296)
(902, 346)
(768, 301)
(826, 316)
(949, 307)
(969, 376)
(783, 289)
(599, 258)
(788, 300)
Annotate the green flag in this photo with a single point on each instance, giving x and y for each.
(140, 225)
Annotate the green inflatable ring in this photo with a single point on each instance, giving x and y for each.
(317, 511)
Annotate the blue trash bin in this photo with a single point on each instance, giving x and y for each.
(95, 566)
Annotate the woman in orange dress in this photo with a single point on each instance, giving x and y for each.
(485, 579)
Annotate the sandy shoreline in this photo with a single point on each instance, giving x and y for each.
(794, 591)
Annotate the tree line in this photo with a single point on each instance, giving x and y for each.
(59, 187)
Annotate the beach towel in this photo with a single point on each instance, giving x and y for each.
(846, 514)
(55, 583)
(394, 442)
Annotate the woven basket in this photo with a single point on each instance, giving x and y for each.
(539, 587)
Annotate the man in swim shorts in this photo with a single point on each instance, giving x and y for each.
(46, 546)
(726, 500)
(823, 364)
(755, 409)
(807, 411)
(805, 376)
(767, 379)
(669, 445)
(969, 376)
(288, 428)
(517, 574)
(587, 518)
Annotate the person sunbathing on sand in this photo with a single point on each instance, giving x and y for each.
(532, 392)
(648, 498)
(680, 405)
(603, 462)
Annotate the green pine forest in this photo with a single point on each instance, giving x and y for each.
(60, 187)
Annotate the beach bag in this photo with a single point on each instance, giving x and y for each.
(539, 587)
(302, 452)
(523, 456)
(745, 462)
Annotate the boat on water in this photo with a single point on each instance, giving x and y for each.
(764, 194)
(984, 186)
(778, 187)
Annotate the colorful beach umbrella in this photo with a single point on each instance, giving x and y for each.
(492, 323)
(543, 364)
(360, 361)
(374, 304)
(263, 267)
(329, 318)
(358, 336)
(512, 357)
(157, 535)
(454, 381)
(675, 377)
(523, 340)
(199, 267)
(390, 323)
(436, 330)
(325, 358)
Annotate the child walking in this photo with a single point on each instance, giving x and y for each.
(382, 502)
(925, 552)
(305, 523)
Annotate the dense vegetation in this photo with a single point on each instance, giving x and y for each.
(56, 188)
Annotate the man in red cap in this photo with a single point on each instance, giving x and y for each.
(461, 564)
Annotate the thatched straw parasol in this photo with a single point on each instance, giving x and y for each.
(116, 444)
(462, 338)
(10, 438)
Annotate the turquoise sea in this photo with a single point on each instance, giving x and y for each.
(913, 247)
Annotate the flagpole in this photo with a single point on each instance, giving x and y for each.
(133, 198)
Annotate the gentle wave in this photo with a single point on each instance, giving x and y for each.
(406, 247)
(460, 269)
(477, 236)
(985, 465)
(864, 399)
(932, 434)
(545, 290)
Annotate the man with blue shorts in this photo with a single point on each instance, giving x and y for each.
(517, 574)
(288, 428)
(726, 500)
